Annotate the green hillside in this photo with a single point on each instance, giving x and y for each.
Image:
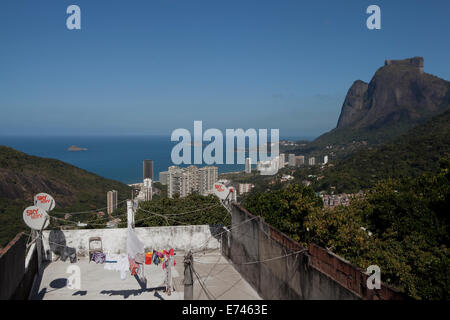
(74, 189)
(410, 155)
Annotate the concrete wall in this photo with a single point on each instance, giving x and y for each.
(31, 271)
(12, 270)
(115, 240)
(314, 273)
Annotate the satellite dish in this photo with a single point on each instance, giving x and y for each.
(221, 191)
(35, 218)
(44, 201)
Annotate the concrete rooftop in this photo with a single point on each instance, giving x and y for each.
(219, 276)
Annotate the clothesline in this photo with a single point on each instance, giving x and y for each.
(86, 222)
(91, 211)
(48, 240)
(202, 247)
(260, 261)
(168, 216)
(203, 285)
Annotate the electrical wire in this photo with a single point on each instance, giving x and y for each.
(91, 211)
(218, 234)
(203, 286)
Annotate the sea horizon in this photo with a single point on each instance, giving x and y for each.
(116, 157)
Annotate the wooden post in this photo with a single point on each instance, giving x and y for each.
(188, 279)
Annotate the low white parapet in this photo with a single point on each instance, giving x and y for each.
(181, 238)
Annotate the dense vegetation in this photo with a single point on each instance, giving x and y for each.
(400, 225)
(191, 210)
(74, 189)
(162, 211)
(412, 154)
(286, 208)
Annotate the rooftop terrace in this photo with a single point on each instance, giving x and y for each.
(248, 260)
(221, 279)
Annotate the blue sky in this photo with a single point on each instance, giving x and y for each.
(150, 66)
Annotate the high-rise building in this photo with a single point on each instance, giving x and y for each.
(312, 161)
(163, 177)
(184, 181)
(148, 192)
(207, 176)
(299, 160)
(147, 169)
(111, 199)
(282, 159)
(325, 159)
(176, 182)
(291, 160)
(248, 165)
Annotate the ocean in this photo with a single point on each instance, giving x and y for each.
(114, 157)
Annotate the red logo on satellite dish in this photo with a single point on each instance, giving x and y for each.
(219, 187)
(43, 199)
(34, 214)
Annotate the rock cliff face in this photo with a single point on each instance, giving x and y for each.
(353, 108)
(399, 92)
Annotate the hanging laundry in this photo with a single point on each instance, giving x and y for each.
(155, 258)
(118, 262)
(148, 257)
(134, 267)
(98, 257)
(140, 258)
(168, 279)
(169, 260)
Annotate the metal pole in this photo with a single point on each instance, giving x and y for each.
(169, 286)
(188, 279)
(39, 245)
(39, 249)
(130, 214)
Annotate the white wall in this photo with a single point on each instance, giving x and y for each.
(115, 240)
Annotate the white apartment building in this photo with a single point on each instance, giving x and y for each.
(207, 176)
(147, 182)
(163, 177)
(148, 192)
(184, 181)
(245, 187)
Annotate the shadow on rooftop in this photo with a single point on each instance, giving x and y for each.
(55, 284)
(133, 292)
(58, 283)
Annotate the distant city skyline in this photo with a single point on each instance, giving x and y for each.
(149, 67)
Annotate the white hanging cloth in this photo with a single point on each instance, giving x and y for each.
(134, 245)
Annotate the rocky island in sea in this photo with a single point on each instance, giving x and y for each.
(76, 148)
